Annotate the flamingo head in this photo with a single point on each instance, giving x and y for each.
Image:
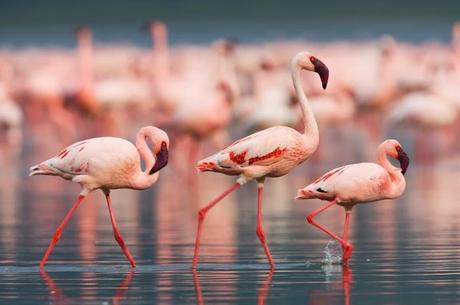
(307, 61)
(157, 29)
(83, 32)
(394, 149)
(161, 158)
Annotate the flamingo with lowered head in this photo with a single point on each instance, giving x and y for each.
(107, 163)
(358, 183)
(272, 152)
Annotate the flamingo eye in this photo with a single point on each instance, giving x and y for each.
(398, 148)
(312, 59)
(163, 144)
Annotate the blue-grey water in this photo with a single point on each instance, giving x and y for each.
(406, 251)
(52, 22)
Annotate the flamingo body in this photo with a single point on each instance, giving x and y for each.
(354, 183)
(272, 152)
(105, 162)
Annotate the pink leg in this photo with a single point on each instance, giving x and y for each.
(201, 216)
(57, 234)
(346, 250)
(260, 230)
(117, 233)
(346, 246)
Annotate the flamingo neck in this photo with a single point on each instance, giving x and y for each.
(383, 161)
(309, 121)
(161, 60)
(397, 183)
(227, 72)
(85, 58)
(144, 179)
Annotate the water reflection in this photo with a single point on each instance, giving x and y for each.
(262, 294)
(408, 244)
(58, 297)
(331, 273)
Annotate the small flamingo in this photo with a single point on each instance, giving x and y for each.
(107, 163)
(272, 152)
(358, 183)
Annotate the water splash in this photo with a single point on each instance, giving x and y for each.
(332, 253)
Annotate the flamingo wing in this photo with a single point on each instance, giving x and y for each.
(263, 148)
(363, 179)
(69, 162)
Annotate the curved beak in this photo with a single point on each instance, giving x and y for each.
(403, 161)
(161, 159)
(323, 72)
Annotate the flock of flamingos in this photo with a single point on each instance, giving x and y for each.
(196, 94)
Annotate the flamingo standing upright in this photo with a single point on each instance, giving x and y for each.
(107, 163)
(272, 152)
(358, 183)
(11, 120)
(106, 98)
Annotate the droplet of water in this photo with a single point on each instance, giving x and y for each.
(332, 253)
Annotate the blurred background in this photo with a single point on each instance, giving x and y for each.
(210, 72)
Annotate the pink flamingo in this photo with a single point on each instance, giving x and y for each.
(358, 183)
(272, 152)
(107, 163)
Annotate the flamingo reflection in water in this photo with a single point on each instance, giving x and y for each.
(324, 297)
(261, 296)
(58, 296)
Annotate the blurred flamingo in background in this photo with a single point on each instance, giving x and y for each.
(107, 163)
(270, 103)
(358, 183)
(11, 120)
(272, 152)
(106, 96)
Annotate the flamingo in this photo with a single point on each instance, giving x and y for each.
(107, 163)
(358, 183)
(272, 152)
(11, 120)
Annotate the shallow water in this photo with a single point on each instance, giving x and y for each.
(406, 251)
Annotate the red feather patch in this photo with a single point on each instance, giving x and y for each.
(238, 158)
(274, 154)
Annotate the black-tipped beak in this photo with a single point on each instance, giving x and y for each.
(403, 161)
(322, 70)
(161, 160)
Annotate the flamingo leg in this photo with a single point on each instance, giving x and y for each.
(346, 251)
(57, 234)
(117, 233)
(345, 245)
(260, 230)
(202, 214)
